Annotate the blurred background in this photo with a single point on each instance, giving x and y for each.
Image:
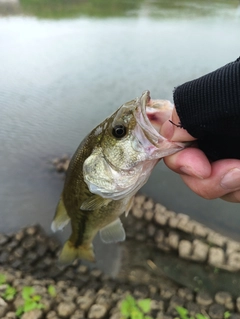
(66, 65)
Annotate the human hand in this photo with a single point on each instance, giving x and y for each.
(220, 179)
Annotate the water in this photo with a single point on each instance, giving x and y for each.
(65, 68)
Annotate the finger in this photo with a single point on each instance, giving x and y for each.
(173, 132)
(190, 161)
(233, 197)
(224, 180)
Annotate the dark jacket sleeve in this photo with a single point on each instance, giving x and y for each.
(209, 109)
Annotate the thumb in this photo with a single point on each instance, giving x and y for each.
(172, 130)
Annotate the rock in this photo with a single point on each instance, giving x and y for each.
(96, 273)
(139, 200)
(78, 314)
(234, 316)
(173, 222)
(159, 208)
(186, 293)
(85, 302)
(97, 312)
(151, 229)
(232, 246)
(174, 302)
(3, 239)
(185, 249)
(28, 243)
(11, 315)
(182, 221)
(204, 299)
(238, 304)
(157, 304)
(216, 239)
(32, 230)
(160, 218)
(200, 230)
(167, 293)
(148, 215)
(200, 251)
(216, 257)
(234, 261)
(193, 308)
(159, 236)
(51, 315)
(173, 239)
(149, 204)
(33, 314)
(66, 309)
(137, 212)
(3, 307)
(223, 297)
(216, 311)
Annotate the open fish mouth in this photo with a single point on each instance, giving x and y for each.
(150, 115)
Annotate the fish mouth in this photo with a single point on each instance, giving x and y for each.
(150, 115)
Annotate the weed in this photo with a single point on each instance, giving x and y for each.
(31, 301)
(135, 309)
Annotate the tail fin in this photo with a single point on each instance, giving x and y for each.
(61, 217)
(69, 253)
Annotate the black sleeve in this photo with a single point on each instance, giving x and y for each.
(209, 109)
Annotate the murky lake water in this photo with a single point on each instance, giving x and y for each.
(60, 77)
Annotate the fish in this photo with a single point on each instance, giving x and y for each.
(108, 168)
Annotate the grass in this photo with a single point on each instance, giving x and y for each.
(135, 309)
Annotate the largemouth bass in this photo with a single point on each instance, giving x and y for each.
(110, 165)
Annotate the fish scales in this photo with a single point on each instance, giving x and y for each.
(110, 165)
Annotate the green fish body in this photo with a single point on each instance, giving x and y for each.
(110, 165)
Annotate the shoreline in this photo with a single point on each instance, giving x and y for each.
(164, 258)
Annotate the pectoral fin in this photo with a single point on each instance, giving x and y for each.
(94, 202)
(129, 206)
(61, 217)
(113, 232)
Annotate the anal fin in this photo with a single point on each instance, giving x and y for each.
(61, 217)
(113, 232)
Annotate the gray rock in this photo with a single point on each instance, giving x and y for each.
(173, 222)
(148, 216)
(66, 309)
(223, 297)
(167, 292)
(200, 230)
(186, 293)
(85, 302)
(234, 261)
(51, 315)
(149, 204)
(193, 308)
(11, 315)
(78, 314)
(216, 257)
(173, 239)
(159, 208)
(3, 239)
(159, 236)
(151, 229)
(216, 311)
(97, 312)
(160, 218)
(185, 249)
(232, 246)
(139, 200)
(216, 239)
(200, 251)
(3, 308)
(204, 299)
(33, 314)
(137, 212)
(238, 304)
(234, 316)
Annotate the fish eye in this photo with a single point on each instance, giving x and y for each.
(119, 131)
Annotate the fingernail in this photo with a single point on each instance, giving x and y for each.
(231, 179)
(189, 171)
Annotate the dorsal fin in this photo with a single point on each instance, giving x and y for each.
(94, 202)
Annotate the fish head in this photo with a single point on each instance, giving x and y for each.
(129, 147)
